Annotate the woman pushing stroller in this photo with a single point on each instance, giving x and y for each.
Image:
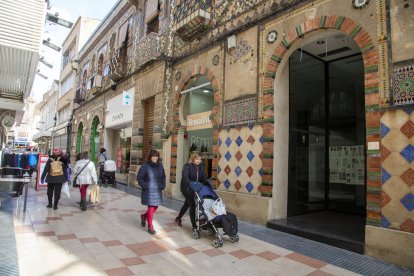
(193, 171)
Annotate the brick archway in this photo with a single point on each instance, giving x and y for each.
(215, 117)
(372, 99)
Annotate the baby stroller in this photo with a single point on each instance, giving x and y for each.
(210, 215)
(107, 173)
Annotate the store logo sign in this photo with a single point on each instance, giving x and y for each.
(126, 98)
(117, 117)
(199, 121)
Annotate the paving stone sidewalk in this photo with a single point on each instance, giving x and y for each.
(108, 240)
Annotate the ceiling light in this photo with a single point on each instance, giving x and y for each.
(320, 42)
(206, 91)
(345, 40)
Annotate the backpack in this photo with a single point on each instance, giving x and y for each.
(56, 167)
(229, 224)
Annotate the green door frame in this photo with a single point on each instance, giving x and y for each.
(79, 139)
(94, 132)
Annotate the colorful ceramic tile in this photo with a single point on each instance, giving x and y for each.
(408, 201)
(240, 112)
(403, 85)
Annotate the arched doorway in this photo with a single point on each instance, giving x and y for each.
(320, 85)
(95, 140)
(79, 144)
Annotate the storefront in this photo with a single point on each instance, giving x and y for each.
(197, 103)
(118, 132)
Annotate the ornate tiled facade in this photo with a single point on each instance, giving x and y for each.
(403, 84)
(241, 111)
(240, 164)
(397, 184)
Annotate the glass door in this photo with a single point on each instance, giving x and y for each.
(307, 143)
(346, 189)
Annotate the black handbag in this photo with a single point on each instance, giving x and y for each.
(75, 180)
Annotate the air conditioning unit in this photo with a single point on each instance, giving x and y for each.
(96, 83)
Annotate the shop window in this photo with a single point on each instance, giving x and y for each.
(198, 103)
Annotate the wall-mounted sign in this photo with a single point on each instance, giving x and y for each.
(120, 109)
(199, 121)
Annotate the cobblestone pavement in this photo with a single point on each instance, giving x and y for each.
(108, 240)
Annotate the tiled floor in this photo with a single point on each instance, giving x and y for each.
(108, 240)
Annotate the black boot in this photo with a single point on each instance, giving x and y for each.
(55, 205)
(50, 202)
(83, 204)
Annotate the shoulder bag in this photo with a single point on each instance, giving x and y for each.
(75, 180)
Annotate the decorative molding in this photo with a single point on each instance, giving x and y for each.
(272, 36)
(359, 4)
(216, 60)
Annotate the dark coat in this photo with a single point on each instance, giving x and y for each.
(151, 178)
(192, 173)
(58, 178)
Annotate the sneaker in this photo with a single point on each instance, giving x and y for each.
(151, 231)
(178, 221)
(143, 220)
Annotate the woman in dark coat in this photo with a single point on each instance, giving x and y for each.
(193, 171)
(151, 178)
(54, 182)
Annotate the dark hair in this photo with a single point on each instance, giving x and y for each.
(85, 155)
(102, 150)
(152, 153)
(79, 156)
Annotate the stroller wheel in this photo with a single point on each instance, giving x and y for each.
(234, 238)
(217, 243)
(196, 234)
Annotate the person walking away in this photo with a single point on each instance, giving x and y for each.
(103, 156)
(193, 171)
(85, 174)
(55, 176)
(151, 178)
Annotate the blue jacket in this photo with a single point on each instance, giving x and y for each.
(151, 178)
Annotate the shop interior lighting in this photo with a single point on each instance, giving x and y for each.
(206, 91)
(195, 88)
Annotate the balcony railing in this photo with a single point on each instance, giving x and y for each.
(191, 18)
(148, 49)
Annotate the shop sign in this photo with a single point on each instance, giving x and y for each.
(120, 109)
(199, 121)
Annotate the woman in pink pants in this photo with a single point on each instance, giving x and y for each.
(86, 174)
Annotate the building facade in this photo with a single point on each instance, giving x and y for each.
(297, 108)
(47, 122)
(120, 75)
(80, 32)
